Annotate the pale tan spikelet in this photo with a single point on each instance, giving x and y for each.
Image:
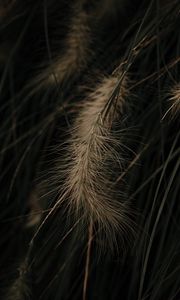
(94, 150)
(175, 99)
(75, 51)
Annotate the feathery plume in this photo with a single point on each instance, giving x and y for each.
(94, 153)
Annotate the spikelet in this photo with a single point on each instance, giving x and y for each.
(94, 153)
(175, 99)
(75, 54)
(20, 289)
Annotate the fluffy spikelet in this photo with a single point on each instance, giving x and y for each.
(76, 51)
(175, 99)
(20, 289)
(94, 154)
